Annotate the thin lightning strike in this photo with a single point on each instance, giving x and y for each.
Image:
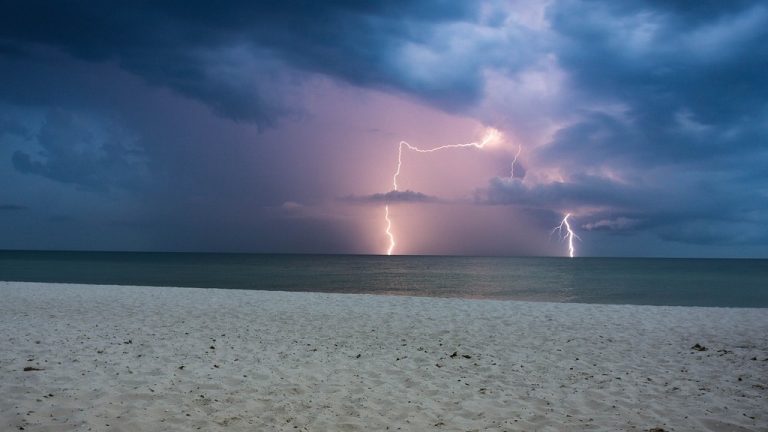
(514, 161)
(569, 235)
(389, 231)
(490, 136)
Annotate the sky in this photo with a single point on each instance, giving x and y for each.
(274, 126)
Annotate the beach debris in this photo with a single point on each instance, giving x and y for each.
(212, 347)
(456, 354)
(128, 342)
(438, 365)
(358, 356)
(181, 367)
(656, 429)
(31, 369)
(699, 347)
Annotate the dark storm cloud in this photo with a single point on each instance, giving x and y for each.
(69, 152)
(665, 59)
(407, 196)
(11, 207)
(672, 97)
(180, 44)
(688, 83)
(681, 209)
(11, 127)
(581, 190)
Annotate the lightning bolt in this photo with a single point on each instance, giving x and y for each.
(389, 231)
(514, 161)
(569, 234)
(490, 136)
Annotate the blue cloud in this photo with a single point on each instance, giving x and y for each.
(70, 152)
(176, 44)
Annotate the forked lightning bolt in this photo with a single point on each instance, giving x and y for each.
(490, 136)
(569, 234)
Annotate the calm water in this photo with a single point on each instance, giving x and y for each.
(688, 282)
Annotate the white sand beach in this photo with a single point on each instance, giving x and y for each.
(109, 358)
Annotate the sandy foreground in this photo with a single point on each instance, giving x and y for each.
(157, 359)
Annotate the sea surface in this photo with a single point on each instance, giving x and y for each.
(642, 281)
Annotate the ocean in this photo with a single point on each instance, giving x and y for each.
(639, 281)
